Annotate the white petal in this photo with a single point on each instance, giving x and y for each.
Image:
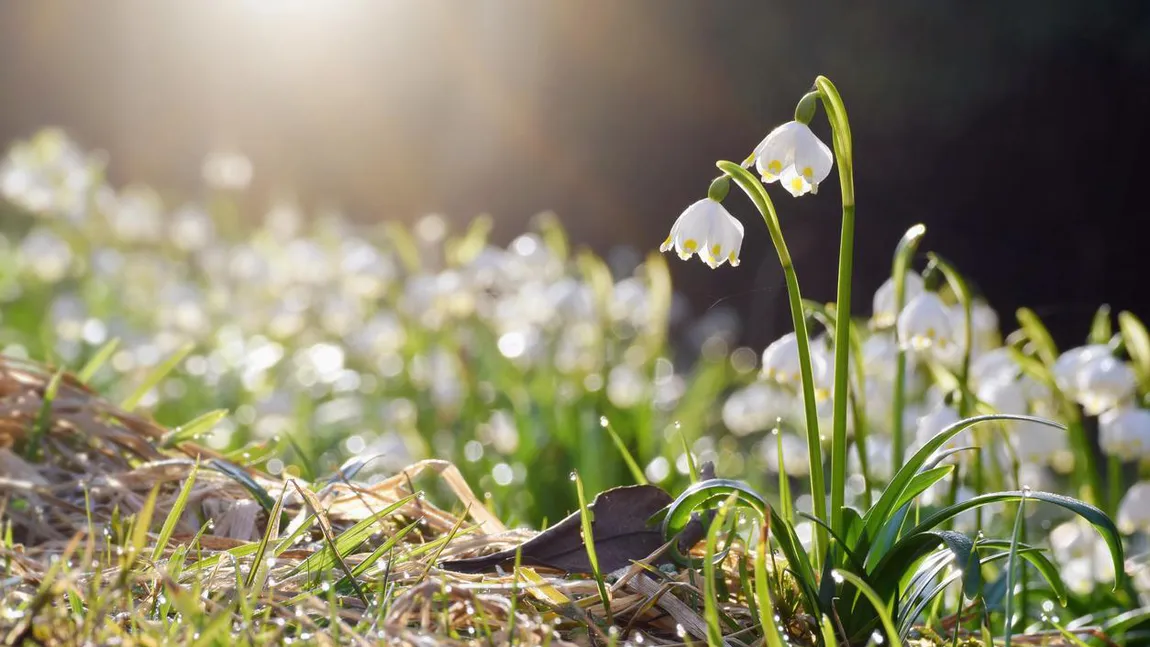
(794, 183)
(812, 158)
(776, 151)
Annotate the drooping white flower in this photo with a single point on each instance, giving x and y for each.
(793, 155)
(781, 364)
(883, 305)
(938, 419)
(1082, 554)
(1005, 396)
(1103, 383)
(993, 365)
(1125, 432)
(1037, 443)
(781, 360)
(755, 407)
(706, 228)
(1134, 511)
(1069, 365)
(925, 325)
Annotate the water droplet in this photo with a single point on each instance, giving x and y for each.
(678, 425)
(1025, 491)
(877, 638)
(602, 421)
(572, 476)
(837, 577)
(1047, 606)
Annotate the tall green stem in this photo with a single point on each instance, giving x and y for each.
(837, 115)
(758, 194)
(902, 255)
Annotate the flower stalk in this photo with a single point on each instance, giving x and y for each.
(758, 195)
(840, 127)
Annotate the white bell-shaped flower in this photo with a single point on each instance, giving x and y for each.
(925, 325)
(1134, 511)
(883, 312)
(1082, 555)
(781, 365)
(793, 155)
(1040, 444)
(1068, 366)
(781, 360)
(756, 407)
(1103, 383)
(1125, 432)
(706, 228)
(1005, 396)
(993, 365)
(937, 419)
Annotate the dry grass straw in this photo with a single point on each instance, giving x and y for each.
(71, 573)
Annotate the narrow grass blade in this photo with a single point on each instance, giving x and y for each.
(190, 430)
(1100, 328)
(174, 514)
(98, 360)
(1137, 342)
(585, 517)
(692, 469)
(1037, 333)
(710, 598)
(349, 540)
(35, 447)
(141, 524)
(772, 637)
(238, 475)
(1011, 569)
(271, 533)
(329, 538)
(636, 471)
(155, 377)
(879, 604)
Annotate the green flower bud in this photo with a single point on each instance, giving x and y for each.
(805, 110)
(719, 188)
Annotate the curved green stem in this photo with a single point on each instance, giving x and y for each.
(837, 115)
(758, 194)
(902, 255)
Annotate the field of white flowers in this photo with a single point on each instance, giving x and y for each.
(980, 481)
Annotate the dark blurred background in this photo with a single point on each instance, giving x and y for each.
(1017, 132)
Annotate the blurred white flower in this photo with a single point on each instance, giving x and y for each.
(879, 463)
(1041, 444)
(1005, 395)
(191, 228)
(626, 386)
(883, 313)
(794, 156)
(755, 407)
(1082, 554)
(706, 228)
(1103, 383)
(1068, 366)
(1125, 432)
(925, 325)
(1134, 510)
(47, 256)
(226, 169)
(795, 455)
(935, 421)
(994, 365)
